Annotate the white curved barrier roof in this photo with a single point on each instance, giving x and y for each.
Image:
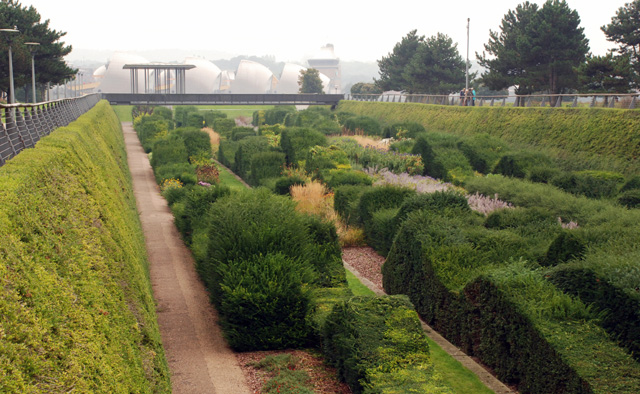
(99, 72)
(117, 80)
(202, 78)
(253, 77)
(288, 83)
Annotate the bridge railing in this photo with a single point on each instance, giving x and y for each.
(625, 101)
(24, 124)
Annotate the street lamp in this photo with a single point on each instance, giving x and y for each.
(33, 48)
(12, 98)
(467, 65)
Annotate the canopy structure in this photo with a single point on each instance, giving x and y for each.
(162, 76)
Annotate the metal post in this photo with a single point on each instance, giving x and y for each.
(12, 97)
(466, 85)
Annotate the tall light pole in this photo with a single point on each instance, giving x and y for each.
(467, 64)
(33, 48)
(12, 98)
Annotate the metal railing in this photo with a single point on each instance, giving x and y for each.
(24, 124)
(609, 100)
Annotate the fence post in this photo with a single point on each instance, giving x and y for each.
(612, 102)
(593, 102)
(575, 102)
(633, 103)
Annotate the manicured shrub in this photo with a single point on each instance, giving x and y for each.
(592, 184)
(630, 198)
(566, 246)
(327, 127)
(224, 126)
(404, 146)
(342, 116)
(181, 115)
(381, 230)
(542, 174)
(363, 124)
(321, 158)
(283, 184)
(150, 129)
(432, 167)
(277, 114)
(196, 142)
(377, 198)
(239, 132)
(438, 201)
(632, 183)
(195, 119)
(246, 149)
(197, 201)
(184, 172)
(165, 113)
(264, 302)
(227, 153)
(348, 177)
(325, 252)
(296, 141)
(482, 150)
(406, 130)
(620, 313)
(346, 199)
(211, 116)
(169, 151)
(266, 165)
(378, 346)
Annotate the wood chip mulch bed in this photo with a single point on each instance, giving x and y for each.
(323, 378)
(366, 261)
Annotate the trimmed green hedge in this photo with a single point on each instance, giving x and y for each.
(593, 138)
(379, 346)
(77, 312)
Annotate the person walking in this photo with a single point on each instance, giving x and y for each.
(462, 93)
(473, 99)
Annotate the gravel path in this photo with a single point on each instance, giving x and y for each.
(199, 359)
(366, 264)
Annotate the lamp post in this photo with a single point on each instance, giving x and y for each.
(33, 48)
(12, 98)
(467, 64)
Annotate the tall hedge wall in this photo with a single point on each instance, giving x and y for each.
(607, 135)
(76, 309)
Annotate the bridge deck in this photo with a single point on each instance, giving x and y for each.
(221, 99)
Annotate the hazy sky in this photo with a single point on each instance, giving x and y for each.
(291, 30)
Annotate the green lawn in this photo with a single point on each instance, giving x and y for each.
(453, 374)
(227, 178)
(123, 112)
(234, 111)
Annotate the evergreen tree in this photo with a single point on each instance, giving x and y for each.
(624, 30)
(310, 82)
(436, 67)
(606, 74)
(50, 65)
(392, 66)
(537, 49)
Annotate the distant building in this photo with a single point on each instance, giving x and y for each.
(328, 64)
(288, 82)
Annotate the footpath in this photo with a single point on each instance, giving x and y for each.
(199, 359)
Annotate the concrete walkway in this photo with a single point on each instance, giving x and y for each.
(199, 359)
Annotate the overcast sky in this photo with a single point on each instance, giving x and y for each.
(291, 30)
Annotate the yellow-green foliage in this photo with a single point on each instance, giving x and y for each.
(76, 310)
(588, 135)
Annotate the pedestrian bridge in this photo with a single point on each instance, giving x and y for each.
(221, 99)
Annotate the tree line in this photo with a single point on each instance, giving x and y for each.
(49, 58)
(536, 49)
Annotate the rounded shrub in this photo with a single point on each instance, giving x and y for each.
(184, 172)
(542, 174)
(406, 130)
(283, 184)
(348, 177)
(364, 124)
(326, 254)
(266, 165)
(377, 198)
(432, 166)
(168, 151)
(438, 201)
(566, 246)
(632, 183)
(263, 302)
(630, 198)
(346, 199)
